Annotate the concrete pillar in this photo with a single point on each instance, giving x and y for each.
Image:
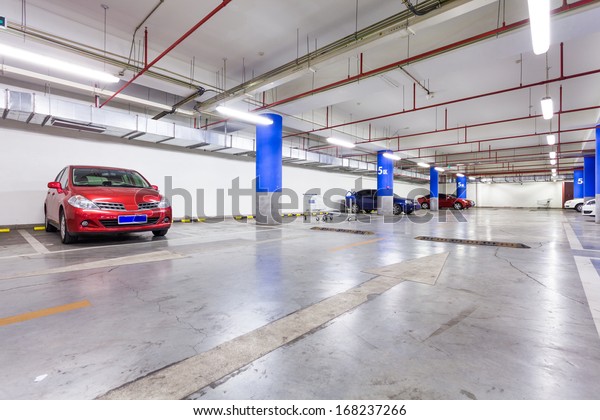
(433, 189)
(461, 187)
(385, 184)
(268, 171)
(589, 177)
(597, 177)
(578, 183)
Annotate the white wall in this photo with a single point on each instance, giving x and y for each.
(30, 159)
(518, 195)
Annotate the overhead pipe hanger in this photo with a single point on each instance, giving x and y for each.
(169, 49)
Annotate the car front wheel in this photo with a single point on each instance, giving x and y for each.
(425, 205)
(65, 236)
(578, 207)
(458, 206)
(397, 209)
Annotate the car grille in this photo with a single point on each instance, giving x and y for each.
(148, 206)
(115, 223)
(587, 212)
(110, 206)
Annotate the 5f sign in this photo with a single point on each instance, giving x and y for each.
(381, 171)
(579, 181)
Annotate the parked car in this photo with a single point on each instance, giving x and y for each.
(589, 208)
(92, 199)
(446, 200)
(366, 200)
(576, 203)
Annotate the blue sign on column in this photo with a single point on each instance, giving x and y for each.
(578, 183)
(461, 186)
(589, 177)
(268, 155)
(385, 174)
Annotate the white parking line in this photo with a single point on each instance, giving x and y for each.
(572, 237)
(591, 285)
(37, 245)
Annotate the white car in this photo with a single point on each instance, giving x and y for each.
(589, 208)
(576, 203)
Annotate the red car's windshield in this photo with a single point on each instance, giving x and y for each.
(104, 177)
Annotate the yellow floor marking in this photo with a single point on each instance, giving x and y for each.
(44, 312)
(341, 248)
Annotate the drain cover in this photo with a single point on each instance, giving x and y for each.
(472, 242)
(358, 232)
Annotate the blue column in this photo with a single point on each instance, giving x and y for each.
(597, 167)
(433, 189)
(385, 183)
(578, 183)
(461, 187)
(589, 177)
(268, 170)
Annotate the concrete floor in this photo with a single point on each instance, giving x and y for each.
(291, 313)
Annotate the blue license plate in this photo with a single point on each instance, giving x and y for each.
(133, 219)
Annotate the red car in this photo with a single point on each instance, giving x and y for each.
(91, 199)
(446, 200)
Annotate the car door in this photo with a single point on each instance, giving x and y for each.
(445, 201)
(369, 200)
(54, 197)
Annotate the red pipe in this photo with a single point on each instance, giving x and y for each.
(446, 119)
(507, 149)
(468, 98)
(487, 123)
(168, 50)
(428, 54)
(146, 46)
(361, 63)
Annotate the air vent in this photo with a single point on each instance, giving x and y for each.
(75, 125)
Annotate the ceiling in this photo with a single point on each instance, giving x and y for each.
(458, 87)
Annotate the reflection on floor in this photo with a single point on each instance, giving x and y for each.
(292, 313)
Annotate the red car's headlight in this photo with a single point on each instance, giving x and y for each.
(164, 203)
(81, 202)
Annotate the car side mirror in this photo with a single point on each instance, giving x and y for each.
(55, 186)
(155, 187)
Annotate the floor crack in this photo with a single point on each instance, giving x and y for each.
(534, 279)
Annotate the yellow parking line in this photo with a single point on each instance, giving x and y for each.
(341, 248)
(4, 230)
(44, 312)
(38, 228)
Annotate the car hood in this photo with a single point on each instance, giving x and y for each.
(127, 196)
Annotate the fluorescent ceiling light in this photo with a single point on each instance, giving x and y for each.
(391, 156)
(552, 155)
(340, 142)
(96, 91)
(539, 21)
(553, 170)
(53, 63)
(437, 168)
(244, 116)
(547, 108)
(459, 174)
(551, 139)
(472, 178)
(552, 161)
(423, 164)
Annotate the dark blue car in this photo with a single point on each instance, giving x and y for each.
(366, 200)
